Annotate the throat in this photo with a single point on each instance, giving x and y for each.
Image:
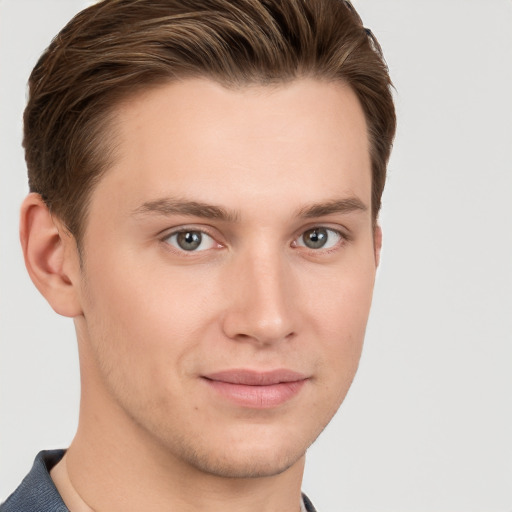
(72, 499)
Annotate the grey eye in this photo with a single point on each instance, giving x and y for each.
(315, 238)
(319, 238)
(191, 241)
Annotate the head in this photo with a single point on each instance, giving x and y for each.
(211, 175)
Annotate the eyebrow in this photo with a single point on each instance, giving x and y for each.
(169, 206)
(349, 205)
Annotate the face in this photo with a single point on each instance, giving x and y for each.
(228, 268)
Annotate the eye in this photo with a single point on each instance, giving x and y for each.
(319, 238)
(190, 240)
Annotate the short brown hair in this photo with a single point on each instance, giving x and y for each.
(116, 47)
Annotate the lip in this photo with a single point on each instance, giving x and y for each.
(254, 389)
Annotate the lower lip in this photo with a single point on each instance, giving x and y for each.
(257, 397)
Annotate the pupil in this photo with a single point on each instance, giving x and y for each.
(315, 238)
(189, 240)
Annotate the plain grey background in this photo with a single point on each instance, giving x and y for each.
(427, 425)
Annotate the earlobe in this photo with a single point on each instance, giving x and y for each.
(377, 243)
(50, 256)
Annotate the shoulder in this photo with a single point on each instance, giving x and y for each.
(308, 506)
(37, 492)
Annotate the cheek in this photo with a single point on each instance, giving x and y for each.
(150, 316)
(341, 314)
(341, 299)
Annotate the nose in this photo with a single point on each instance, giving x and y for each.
(262, 303)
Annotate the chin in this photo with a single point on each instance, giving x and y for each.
(254, 464)
(249, 454)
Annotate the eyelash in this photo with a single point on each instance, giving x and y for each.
(185, 230)
(342, 238)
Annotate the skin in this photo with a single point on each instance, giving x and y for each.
(153, 320)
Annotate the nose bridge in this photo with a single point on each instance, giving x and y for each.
(261, 306)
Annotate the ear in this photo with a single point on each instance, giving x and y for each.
(377, 243)
(51, 256)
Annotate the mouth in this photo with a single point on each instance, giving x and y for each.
(257, 390)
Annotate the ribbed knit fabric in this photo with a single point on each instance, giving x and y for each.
(37, 492)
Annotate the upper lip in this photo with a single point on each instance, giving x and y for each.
(256, 378)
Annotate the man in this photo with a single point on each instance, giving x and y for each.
(205, 183)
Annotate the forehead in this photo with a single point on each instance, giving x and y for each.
(197, 138)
